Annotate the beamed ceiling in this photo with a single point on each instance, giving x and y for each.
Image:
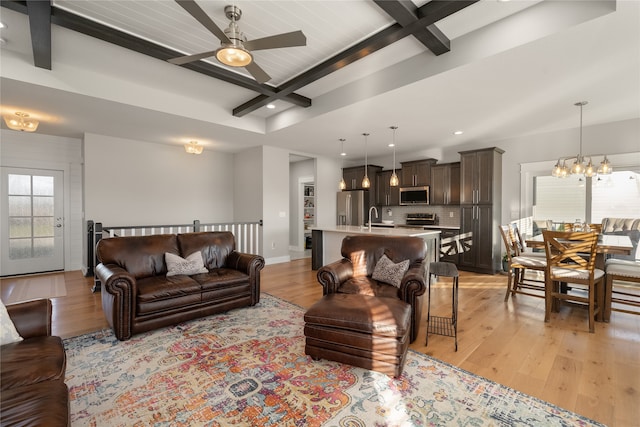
(496, 69)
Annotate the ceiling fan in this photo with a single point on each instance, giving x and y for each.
(235, 50)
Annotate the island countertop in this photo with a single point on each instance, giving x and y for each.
(327, 241)
(380, 231)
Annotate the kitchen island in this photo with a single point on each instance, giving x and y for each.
(327, 241)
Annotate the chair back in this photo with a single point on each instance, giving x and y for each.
(518, 240)
(597, 227)
(570, 250)
(507, 238)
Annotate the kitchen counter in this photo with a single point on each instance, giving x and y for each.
(425, 227)
(327, 241)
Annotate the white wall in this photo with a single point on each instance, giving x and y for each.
(247, 182)
(131, 182)
(275, 199)
(328, 173)
(32, 150)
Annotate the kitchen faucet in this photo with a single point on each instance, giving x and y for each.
(372, 208)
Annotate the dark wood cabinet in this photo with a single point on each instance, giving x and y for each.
(478, 179)
(416, 173)
(480, 210)
(386, 195)
(445, 184)
(353, 176)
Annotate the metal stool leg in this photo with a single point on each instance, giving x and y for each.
(447, 326)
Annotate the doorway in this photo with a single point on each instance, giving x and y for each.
(32, 221)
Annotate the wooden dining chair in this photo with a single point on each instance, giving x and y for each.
(518, 264)
(571, 259)
(597, 227)
(622, 287)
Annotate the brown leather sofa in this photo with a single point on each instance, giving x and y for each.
(138, 296)
(32, 370)
(352, 274)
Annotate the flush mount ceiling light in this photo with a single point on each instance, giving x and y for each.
(394, 181)
(21, 122)
(560, 170)
(193, 147)
(366, 183)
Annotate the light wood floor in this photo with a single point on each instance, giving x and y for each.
(596, 375)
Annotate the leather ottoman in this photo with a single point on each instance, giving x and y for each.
(359, 330)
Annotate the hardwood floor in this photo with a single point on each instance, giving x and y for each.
(596, 375)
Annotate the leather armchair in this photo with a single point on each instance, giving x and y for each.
(352, 274)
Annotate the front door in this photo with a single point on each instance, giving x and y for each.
(32, 226)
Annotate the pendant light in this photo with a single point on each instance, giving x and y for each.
(342, 185)
(394, 181)
(366, 183)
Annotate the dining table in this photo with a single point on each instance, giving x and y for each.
(608, 244)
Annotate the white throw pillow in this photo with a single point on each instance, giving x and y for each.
(389, 272)
(193, 264)
(8, 333)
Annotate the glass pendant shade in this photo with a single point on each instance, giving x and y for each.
(394, 181)
(365, 182)
(342, 185)
(578, 166)
(605, 167)
(589, 170)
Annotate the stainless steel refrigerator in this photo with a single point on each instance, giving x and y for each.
(352, 206)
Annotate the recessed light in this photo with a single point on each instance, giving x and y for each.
(391, 145)
(2, 25)
(458, 132)
(271, 106)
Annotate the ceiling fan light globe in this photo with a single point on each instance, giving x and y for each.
(233, 56)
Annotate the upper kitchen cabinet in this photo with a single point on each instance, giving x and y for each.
(386, 195)
(445, 184)
(353, 176)
(416, 173)
(480, 175)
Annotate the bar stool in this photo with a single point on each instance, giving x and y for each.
(447, 326)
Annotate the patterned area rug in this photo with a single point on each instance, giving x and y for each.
(247, 367)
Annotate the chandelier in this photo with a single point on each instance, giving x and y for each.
(561, 170)
(21, 122)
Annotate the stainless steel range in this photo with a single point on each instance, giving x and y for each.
(421, 219)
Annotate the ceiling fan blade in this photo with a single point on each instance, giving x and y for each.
(190, 58)
(196, 11)
(258, 73)
(294, 38)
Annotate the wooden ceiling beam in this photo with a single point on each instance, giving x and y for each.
(94, 29)
(411, 21)
(40, 27)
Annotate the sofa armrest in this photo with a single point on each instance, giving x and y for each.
(332, 275)
(414, 282)
(250, 264)
(31, 318)
(247, 263)
(118, 298)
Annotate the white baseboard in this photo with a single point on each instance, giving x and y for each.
(277, 260)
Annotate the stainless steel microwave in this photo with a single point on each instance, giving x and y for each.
(414, 195)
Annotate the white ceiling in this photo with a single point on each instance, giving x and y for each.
(515, 68)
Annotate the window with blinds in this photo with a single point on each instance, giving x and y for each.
(567, 199)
